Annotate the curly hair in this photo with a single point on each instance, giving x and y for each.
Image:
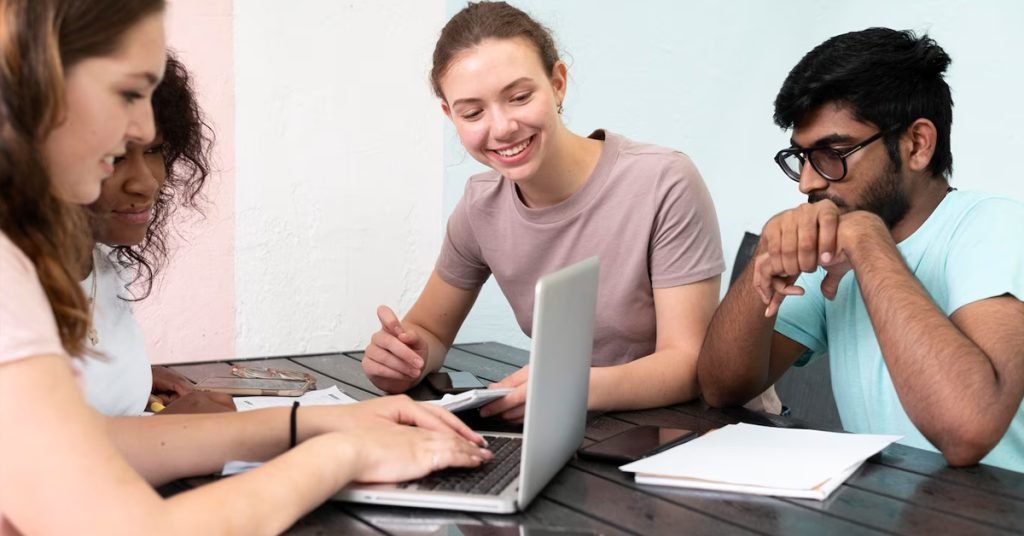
(40, 41)
(187, 143)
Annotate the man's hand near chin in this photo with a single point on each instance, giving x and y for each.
(800, 240)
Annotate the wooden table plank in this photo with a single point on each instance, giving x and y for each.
(481, 367)
(510, 355)
(603, 426)
(665, 418)
(549, 515)
(762, 514)
(984, 477)
(941, 496)
(896, 516)
(613, 504)
(340, 366)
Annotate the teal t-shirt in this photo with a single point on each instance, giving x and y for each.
(969, 249)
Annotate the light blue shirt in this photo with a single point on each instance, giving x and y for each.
(969, 249)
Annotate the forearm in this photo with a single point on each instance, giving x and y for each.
(438, 349)
(292, 484)
(173, 446)
(734, 362)
(945, 382)
(659, 379)
(437, 316)
(68, 466)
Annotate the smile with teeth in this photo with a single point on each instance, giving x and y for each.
(512, 151)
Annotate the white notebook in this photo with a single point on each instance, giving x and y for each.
(762, 460)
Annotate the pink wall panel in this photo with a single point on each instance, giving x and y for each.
(191, 313)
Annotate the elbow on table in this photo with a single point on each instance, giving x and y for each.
(962, 456)
(718, 396)
(966, 449)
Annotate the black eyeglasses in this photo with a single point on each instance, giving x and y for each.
(829, 162)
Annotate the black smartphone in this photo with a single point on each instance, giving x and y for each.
(636, 443)
(454, 382)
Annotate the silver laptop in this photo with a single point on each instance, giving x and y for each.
(556, 412)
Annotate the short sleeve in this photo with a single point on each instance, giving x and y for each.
(686, 244)
(986, 254)
(802, 318)
(27, 325)
(461, 262)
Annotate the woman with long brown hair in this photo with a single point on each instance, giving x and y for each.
(76, 78)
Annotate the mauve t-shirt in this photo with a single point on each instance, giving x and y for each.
(644, 211)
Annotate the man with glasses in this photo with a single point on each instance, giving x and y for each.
(911, 288)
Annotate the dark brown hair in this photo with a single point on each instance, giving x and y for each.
(187, 141)
(489, 20)
(887, 77)
(40, 40)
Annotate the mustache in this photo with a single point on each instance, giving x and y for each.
(814, 197)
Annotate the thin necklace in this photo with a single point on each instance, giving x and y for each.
(92, 334)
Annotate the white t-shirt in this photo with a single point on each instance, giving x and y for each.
(119, 384)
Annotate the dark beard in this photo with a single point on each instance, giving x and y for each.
(884, 197)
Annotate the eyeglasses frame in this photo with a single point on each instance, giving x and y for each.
(804, 154)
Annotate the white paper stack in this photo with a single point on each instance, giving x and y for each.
(762, 460)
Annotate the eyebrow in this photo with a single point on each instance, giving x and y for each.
(825, 141)
(151, 78)
(509, 86)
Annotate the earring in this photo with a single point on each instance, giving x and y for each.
(559, 108)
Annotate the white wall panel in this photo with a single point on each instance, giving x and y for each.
(339, 171)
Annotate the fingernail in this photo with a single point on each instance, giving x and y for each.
(826, 257)
(483, 441)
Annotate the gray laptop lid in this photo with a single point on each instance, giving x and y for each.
(562, 342)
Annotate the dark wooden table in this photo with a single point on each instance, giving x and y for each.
(902, 491)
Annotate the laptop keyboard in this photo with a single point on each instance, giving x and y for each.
(488, 479)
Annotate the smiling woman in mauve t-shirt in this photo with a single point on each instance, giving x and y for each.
(552, 198)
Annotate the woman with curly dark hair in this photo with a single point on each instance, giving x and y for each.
(130, 224)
